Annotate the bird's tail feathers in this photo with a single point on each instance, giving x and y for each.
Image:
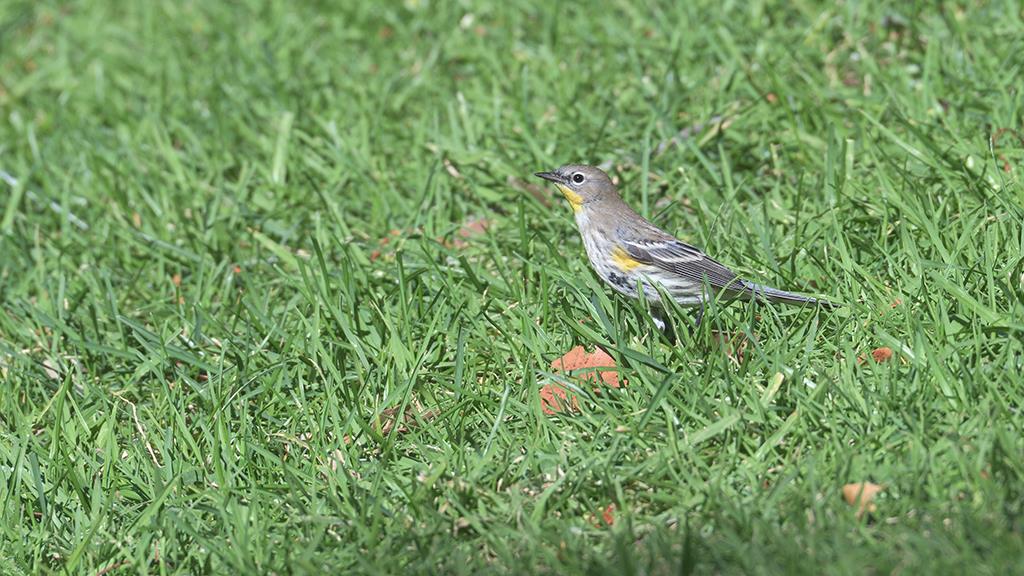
(770, 294)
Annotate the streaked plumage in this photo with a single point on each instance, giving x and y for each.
(626, 250)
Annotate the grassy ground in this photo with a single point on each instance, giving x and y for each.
(230, 255)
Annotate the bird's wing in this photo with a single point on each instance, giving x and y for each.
(682, 259)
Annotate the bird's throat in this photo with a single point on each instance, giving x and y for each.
(575, 200)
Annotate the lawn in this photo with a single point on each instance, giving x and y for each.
(279, 292)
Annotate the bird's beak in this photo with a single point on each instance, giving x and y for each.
(551, 177)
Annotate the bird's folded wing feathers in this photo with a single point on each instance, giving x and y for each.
(682, 259)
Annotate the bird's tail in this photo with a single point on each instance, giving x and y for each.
(770, 294)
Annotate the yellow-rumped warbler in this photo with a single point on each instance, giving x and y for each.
(628, 251)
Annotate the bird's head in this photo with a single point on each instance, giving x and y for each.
(581, 185)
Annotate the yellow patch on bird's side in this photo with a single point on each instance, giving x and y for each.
(623, 260)
(575, 200)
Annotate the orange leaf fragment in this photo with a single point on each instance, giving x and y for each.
(555, 399)
(469, 229)
(589, 366)
(609, 515)
(594, 367)
(860, 495)
(474, 227)
(883, 354)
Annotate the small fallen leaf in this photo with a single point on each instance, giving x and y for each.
(734, 344)
(555, 399)
(587, 366)
(413, 411)
(383, 243)
(474, 227)
(861, 495)
(883, 354)
(593, 367)
(609, 515)
(469, 229)
(879, 355)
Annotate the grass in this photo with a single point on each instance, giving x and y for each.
(204, 339)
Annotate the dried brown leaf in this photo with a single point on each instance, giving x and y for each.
(861, 494)
(555, 399)
(608, 515)
(589, 366)
(733, 344)
(883, 354)
(474, 227)
(413, 413)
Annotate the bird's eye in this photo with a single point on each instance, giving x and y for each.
(577, 178)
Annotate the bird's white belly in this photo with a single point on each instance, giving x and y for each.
(599, 248)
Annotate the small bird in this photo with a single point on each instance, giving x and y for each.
(627, 251)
